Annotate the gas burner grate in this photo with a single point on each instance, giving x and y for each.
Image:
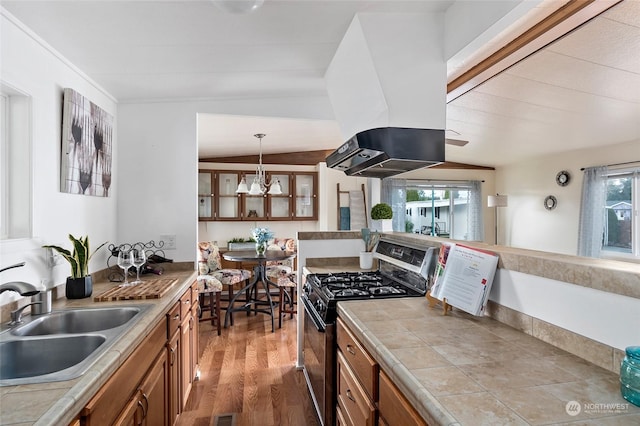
(350, 292)
(386, 290)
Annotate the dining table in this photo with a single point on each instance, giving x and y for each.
(254, 302)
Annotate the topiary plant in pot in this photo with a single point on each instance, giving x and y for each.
(79, 285)
(381, 215)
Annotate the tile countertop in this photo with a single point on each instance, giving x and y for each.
(464, 370)
(57, 403)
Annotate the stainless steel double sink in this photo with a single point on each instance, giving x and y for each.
(61, 345)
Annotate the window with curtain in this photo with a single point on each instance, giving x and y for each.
(608, 227)
(451, 209)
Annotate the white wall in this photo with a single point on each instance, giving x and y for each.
(159, 148)
(525, 223)
(33, 67)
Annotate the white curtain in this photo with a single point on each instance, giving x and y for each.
(592, 211)
(394, 193)
(475, 222)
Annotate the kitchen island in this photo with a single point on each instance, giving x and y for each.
(466, 370)
(58, 403)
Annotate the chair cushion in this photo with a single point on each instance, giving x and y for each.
(279, 267)
(288, 280)
(209, 263)
(231, 276)
(208, 258)
(208, 284)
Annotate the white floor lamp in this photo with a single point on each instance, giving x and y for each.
(497, 201)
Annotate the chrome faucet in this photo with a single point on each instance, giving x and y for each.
(16, 316)
(25, 289)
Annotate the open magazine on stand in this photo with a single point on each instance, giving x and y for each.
(463, 277)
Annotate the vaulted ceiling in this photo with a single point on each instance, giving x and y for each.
(581, 91)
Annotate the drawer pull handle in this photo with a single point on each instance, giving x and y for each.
(144, 413)
(350, 350)
(187, 302)
(176, 317)
(350, 396)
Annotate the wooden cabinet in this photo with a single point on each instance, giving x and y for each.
(361, 384)
(394, 408)
(217, 198)
(105, 407)
(188, 342)
(153, 384)
(355, 405)
(148, 405)
(173, 358)
(305, 187)
(357, 380)
(363, 365)
(218, 201)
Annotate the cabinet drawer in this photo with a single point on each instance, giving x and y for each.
(363, 365)
(194, 294)
(185, 304)
(340, 420)
(356, 407)
(394, 407)
(173, 319)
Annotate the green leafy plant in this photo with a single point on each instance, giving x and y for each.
(237, 240)
(370, 238)
(80, 257)
(381, 211)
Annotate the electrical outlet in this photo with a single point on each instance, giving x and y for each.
(169, 241)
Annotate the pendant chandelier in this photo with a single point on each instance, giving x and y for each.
(259, 185)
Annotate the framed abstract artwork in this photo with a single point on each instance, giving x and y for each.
(87, 146)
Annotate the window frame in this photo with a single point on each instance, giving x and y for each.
(634, 256)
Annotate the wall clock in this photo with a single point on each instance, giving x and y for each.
(562, 178)
(550, 202)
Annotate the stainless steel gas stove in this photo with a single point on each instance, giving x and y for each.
(404, 271)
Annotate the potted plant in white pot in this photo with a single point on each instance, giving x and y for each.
(79, 285)
(381, 215)
(370, 240)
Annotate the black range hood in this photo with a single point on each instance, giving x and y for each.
(388, 151)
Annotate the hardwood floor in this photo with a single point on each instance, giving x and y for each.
(251, 372)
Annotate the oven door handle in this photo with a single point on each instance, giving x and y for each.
(313, 315)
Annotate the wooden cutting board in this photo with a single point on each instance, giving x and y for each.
(148, 289)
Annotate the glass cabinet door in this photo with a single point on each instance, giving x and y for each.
(254, 205)
(228, 200)
(306, 198)
(205, 195)
(280, 205)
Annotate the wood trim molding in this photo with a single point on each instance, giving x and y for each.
(452, 165)
(300, 158)
(559, 23)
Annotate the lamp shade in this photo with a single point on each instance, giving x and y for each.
(275, 188)
(497, 201)
(255, 188)
(242, 187)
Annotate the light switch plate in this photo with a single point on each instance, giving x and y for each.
(169, 241)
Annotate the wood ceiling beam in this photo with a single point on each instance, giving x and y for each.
(452, 165)
(559, 23)
(300, 158)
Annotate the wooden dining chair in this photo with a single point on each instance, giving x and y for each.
(283, 273)
(210, 263)
(210, 288)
